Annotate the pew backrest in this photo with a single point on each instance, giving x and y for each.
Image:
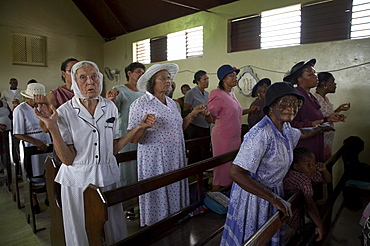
(97, 202)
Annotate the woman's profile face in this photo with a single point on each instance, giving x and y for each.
(230, 80)
(203, 82)
(67, 73)
(162, 82)
(331, 85)
(261, 93)
(87, 79)
(136, 74)
(285, 108)
(309, 78)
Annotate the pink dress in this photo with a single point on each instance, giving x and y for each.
(227, 111)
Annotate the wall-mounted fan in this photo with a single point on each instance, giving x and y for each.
(112, 73)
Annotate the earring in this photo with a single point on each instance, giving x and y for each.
(325, 87)
(258, 94)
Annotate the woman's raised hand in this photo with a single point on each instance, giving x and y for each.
(48, 117)
(112, 94)
(41, 99)
(336, 117)
(343, 107)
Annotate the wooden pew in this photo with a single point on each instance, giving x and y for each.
(265, 233)
(56, 225)
(14, 172)
(32, 184)
(53, 190)
(97, 202)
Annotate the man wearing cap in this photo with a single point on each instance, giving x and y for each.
(26, 127)
(304, 76)
(12, 95)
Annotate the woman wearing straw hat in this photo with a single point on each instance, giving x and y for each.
(227, 114)
(86, 137)
(261, 164)
(304, 76)
(161, 148)
(26, 127)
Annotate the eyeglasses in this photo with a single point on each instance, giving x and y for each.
(69, 70)
(83, 78)
(283, 104)
(164, 78)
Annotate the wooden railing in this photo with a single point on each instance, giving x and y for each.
(53, 188)
(97, 202)
(349, 153)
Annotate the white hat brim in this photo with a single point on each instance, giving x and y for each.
(39, 87)
(172, 69)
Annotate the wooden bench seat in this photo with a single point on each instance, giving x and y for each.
(197, 230)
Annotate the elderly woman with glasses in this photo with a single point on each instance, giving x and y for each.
(161, 148)
(304, 76)
(261, 164)
(85, 134)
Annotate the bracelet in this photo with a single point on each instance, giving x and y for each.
(321, 128)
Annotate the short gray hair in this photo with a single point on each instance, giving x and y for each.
(151, 83)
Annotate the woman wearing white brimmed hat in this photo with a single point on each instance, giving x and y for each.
(161, 148)
(86, 137)
(26, 127)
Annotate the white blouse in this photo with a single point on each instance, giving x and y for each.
(92, 137)
(26, 122)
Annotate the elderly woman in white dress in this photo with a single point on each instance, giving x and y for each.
(161, 148)
(85, 132)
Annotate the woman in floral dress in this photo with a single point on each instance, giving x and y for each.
(261, 164)
(162, 148)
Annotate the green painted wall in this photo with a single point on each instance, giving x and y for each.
(68, 32)
(353, 84)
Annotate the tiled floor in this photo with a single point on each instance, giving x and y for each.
(346, 229)
(14, 229)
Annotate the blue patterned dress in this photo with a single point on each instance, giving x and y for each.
(267, 155)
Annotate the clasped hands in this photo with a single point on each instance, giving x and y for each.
(200, 110)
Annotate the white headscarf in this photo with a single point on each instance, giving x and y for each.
(75, 88)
